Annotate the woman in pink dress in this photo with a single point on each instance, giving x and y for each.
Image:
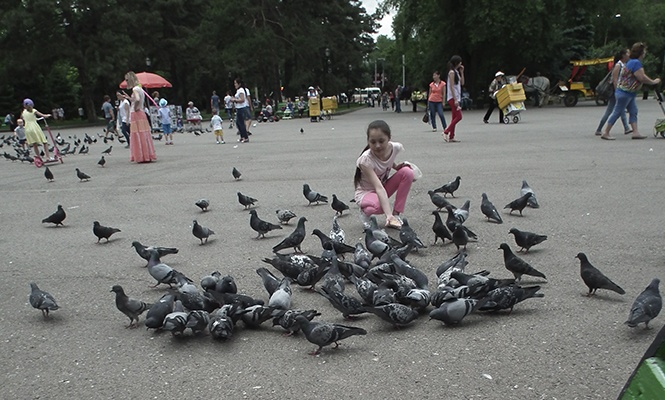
(141, 148)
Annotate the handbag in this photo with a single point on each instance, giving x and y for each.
(417, 173)
(605, 88)
(426, 117)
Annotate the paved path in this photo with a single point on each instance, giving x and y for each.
(601, 198)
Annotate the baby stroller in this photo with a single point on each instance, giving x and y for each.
(659, 127)
(57, 157)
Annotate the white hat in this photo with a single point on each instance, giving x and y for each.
(310, 88)
(499, 73)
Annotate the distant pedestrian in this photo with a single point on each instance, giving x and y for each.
(141, 148)
(216, 123)
(33, 132)
(165, 119)
(109, 116)
(123, 114)
(242, 109)
(620, 60)
(9, 120)
(214, 101)
(454, 95)
(496, 84)
(398, 101)
(19, 133)
(435, 97)
(228, 106)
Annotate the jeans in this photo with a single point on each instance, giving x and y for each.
(398, 105)
(399, 182)
(124, 128)
(611, 103)
(241, 115)
(436, 108)
(624, 100)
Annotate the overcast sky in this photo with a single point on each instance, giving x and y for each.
(385, 29)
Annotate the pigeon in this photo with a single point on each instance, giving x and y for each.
(257, 314)
(281, 298)
(337, 234)
(287, 319)
(452, 312)
(594, 279)
(361, 256)
(246, 201)
(132, 308)
(101, 162)
(261, 226)
(646, 306)
(57, 217)
(462, 213)
(408, 235)
(313, 196)
(347, 305)
(508, 296)
(488, 210)
(339, 247)
(526, 240)
(197, 321)
(519, 204)
(302, 130)
(479, 284)
(209, 282)
(325, 333)
(42, 300)
(270, 281)
(290, 265)
(236, 174)
(460, 237)
(294, 239)
(48, 174)
(284, 216)
(395, 313)
(160, 271)
(203, 204)
(222, 324)
(103, 231)
(533, 202)
(337, 205)
(82, 176)
(380, 234)
(226, 284)
(144, 251)
(516, 265)
(311, 276)
(438, 200)
(449, 188)
(439, 229)
(376, 247)
(201, 232)
(108, 151)
(176, 321)
(84, 149)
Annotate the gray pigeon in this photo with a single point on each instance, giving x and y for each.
(460, 237)
(155, 317)
(81, 175)
(144, 251)
(438, 200)
(48, 174)
(270, 281)
(287, 319)
(176, 321)
(440, 230)
(221, 324)
(284, 216)
(201, 232)
(452, 312)
(338, 205)
(236, 174)
(101, 162)
(281, 298)
(408, 235)
(519, 204)
(324, 333)
(132, 308)
(594, 279)
(533, 202)
(347, 305)
(103, 231)
(203, 204)
(294, 239)
(526, 240)
(516, 265)
(337, 234)
(449, 188)
(160, 271)
(197, 321)
(313, 196)
(42, 300)
(462, 213)
(507, 297)
(488, 210)
(339, 247)
(246, 201)
(257, 314)
(361, 256)
(646, 306)
(108, 151)
(57, 217)
(395, 313)
(261, 226)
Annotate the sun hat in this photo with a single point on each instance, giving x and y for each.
(28, 102)
(163, 102)
(499, 73)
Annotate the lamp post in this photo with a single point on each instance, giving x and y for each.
(383, 70)
(613, 18)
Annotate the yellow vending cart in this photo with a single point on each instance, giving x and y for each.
(511, 100)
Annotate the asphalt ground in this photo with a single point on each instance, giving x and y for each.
(601, 198)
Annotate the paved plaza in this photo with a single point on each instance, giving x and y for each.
(598, 197)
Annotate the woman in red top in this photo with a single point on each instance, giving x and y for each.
(435, 100)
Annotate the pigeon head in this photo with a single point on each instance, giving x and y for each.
(33, 286)
(513, 231)
(136, 244)
(484, 196)
(458, 178)
(581, 256)
(504, 246)
(96, 223)
(117, 289)
(252, 212)
(405, 222)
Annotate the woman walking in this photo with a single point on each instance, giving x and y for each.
(455, 83)
(435, 100)
(620, 60)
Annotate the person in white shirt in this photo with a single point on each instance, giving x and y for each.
(123, 114)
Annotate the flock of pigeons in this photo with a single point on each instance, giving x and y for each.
(386, 284)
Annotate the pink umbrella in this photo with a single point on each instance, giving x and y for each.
(149, 80)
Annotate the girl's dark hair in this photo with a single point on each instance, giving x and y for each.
(619, 54)
(454, 62)
(383, 127)
(637, 50)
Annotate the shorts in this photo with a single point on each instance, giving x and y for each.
(219, 132)
(22, 141)
(110, 124)
(166, 128)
